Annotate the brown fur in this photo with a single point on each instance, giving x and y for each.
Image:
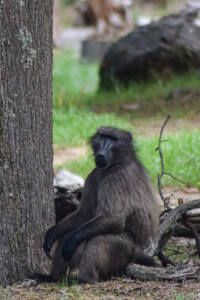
(102, 9)
(119, 204)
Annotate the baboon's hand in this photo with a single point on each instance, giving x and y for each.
(69, 247)
(49, 240)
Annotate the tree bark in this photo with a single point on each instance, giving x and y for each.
(26, 169)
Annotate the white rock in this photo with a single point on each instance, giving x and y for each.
(68, 180)
(142, 20)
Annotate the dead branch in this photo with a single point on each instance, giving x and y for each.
(163, 172)
(177, 222)
(158, 274)
(166, 206)
(182, 231)
(195, 233)
(168, 227)
(174, 222)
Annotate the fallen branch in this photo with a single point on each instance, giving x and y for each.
(195, 233)
(179, 273)
(168, 226)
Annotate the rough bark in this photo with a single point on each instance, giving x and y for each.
(26, 171)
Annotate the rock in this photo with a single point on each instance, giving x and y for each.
(143, 20)
(162, 48)
(68, 180)
(66, 201)
(72, 38)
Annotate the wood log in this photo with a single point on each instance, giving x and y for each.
(179, 273)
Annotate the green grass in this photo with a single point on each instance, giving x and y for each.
(147, 90)
(181, 155)
(190, 296)
(73, 81)
(74, 126)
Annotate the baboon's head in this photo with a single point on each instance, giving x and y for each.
(111, 146)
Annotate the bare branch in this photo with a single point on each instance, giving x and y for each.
(173, 177)
(163, 172)
(166, 206)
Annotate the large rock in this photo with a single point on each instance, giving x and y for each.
(169, 46)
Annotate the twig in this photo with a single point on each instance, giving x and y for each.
(163, 172)
(166, 206)
(173, 177)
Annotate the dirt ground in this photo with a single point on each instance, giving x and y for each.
(118, 288)
(63, 155)
(151, 127)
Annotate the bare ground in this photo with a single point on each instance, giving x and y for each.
(151, 127)
(63, 155)
(117, 288)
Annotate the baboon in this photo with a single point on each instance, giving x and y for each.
(116, 218)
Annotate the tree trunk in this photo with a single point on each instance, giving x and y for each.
(26, 170)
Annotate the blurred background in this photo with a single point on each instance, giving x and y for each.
(107, 19)
(128, 63)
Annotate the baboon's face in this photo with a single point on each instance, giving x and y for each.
(111, 146)
(103, 150)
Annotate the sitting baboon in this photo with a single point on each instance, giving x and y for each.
(116, 218)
